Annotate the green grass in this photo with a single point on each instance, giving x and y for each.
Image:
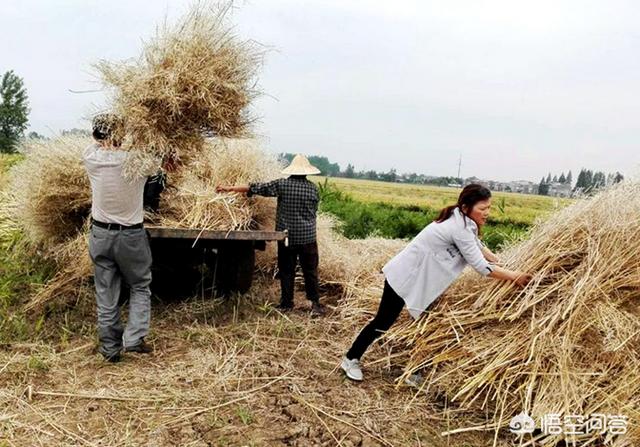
(36, 363)
(20, 272)
(245, 415)
(6, 162)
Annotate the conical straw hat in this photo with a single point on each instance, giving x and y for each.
(300, 166)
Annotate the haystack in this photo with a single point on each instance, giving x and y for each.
(353, 265)
(191, 200)
(194, 78)
(48, 193)
(48, 198)
(566, 344)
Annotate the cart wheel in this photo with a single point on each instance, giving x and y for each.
(236, 264)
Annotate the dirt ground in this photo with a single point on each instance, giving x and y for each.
(231, 373)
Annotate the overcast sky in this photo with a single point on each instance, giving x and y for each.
(516, 88)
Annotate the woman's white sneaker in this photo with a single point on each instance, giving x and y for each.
(415, 380)
(352, 369)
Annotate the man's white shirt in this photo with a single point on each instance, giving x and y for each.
(115, 199)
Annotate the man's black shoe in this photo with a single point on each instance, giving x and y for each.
(142, 348)
(113, 358)
(285, 307)
(317, 309)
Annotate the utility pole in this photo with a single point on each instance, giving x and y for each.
(459, 165)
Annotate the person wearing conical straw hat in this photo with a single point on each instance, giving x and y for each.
(421, 272)
(296, 212)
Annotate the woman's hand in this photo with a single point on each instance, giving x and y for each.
(521, 278)
(221, 188)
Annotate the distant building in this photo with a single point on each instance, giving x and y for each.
(523, 187)
(559, 189)
(476, 180)
(520, 186)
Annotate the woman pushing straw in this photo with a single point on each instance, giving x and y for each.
(421, 272)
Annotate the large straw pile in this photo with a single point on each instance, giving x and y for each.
(48, 198)
(194, 78)
(565, 344)
(48, 194)
(191, 200)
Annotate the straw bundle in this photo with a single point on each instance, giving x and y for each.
(192, 78)
(71, 278)
(565, 344)
(191, 200)
(48, 194)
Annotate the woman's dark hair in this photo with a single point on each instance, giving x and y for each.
(469, 196)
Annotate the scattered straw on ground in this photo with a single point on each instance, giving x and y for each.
(234, 373)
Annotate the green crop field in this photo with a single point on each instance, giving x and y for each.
(517, 208)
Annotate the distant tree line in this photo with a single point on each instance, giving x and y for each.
(587, 181)
(562, 179)
(74, 132)
(333, 170)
